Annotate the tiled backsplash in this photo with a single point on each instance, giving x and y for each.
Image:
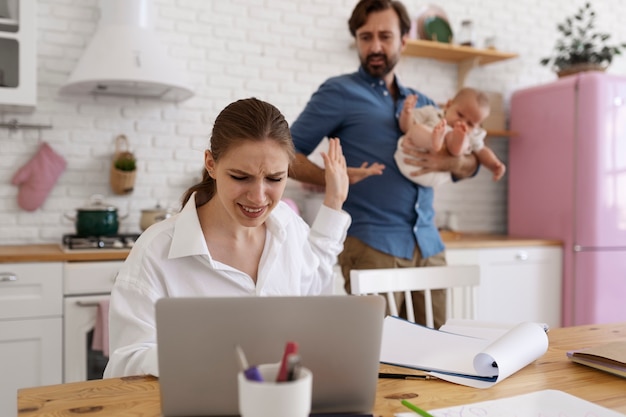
(276, 50)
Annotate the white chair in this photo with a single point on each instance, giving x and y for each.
(460, 281)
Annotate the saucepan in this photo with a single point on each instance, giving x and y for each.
(97, 218)
(154, 215)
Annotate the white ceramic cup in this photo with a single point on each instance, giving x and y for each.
(275, 399)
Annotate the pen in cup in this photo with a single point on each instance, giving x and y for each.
(293, 366)
(251, 372)
(290, 348)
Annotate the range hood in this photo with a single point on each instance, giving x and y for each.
(126, 58)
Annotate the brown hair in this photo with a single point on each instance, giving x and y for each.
(243, 120)
(365, 7)
(480, 97)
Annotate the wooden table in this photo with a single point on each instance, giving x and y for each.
(139, 396)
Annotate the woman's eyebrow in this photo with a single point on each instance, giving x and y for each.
(270, 174)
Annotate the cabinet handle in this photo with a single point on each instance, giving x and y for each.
(7, 277)
(521, 256)
(86, 304)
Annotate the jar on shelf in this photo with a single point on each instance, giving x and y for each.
(466, 33)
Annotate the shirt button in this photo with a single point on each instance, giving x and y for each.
(385, 93)
(381, 82)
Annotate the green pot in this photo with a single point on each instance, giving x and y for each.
(96, 222)
(96, 219)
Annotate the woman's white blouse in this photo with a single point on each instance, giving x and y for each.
(171, 259)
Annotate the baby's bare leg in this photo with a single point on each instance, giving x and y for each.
(406, 116)
(490, 160)
(437, 135)
(421, 136)
(456, 140)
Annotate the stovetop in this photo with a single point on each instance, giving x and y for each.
(119, 241)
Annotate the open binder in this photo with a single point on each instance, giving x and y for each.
(479, 362)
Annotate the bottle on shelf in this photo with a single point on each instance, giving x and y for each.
(466, 33)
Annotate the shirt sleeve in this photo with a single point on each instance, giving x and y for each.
(477, 139)
(426, 115)
(319, 119)
(326, 238)
(133, 344)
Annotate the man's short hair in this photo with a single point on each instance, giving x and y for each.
(365, 7)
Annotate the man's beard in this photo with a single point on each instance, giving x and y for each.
(382, 69)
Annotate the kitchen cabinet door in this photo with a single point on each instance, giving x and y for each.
(31, 289)
(18, 55)
(30, 356)
(31, 328)
(517, 284)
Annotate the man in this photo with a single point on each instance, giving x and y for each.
(392, 218)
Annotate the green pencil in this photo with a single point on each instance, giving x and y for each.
(416, 409)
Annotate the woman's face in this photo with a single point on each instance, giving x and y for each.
(250, 180)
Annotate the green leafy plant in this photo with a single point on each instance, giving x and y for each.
(126, 162)
(581, 43)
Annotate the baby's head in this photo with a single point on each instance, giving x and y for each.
(469, 106)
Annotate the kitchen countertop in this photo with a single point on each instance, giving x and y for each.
(55, 253)
(466, 240)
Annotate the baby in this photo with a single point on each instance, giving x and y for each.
(455, 129)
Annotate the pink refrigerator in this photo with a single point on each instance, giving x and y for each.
(567, 181)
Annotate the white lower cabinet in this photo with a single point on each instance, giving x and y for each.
(516, 283)
(31, 329)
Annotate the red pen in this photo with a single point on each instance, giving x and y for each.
(283, 372)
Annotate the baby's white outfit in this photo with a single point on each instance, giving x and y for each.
(430, 116)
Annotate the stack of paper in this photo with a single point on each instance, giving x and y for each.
(610, 357)
(478, 362)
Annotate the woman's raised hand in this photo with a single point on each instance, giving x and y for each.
(336, 175)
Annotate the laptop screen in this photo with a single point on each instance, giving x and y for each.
(339, 339)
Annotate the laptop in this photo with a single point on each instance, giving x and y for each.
(339, 340)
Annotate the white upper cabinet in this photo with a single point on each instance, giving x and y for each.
(18, 55)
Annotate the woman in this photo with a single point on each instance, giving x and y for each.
(233, 237)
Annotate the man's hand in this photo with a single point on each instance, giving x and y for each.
(364, 171)
(462, 166)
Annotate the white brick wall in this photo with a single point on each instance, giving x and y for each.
(277, 50)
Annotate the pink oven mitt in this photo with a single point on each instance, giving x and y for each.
(36, 178)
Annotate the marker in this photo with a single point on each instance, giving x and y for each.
(290, 348)
(416, 409)
(251, 372)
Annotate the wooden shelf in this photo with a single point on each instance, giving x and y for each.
(465, 57)
(500, 133)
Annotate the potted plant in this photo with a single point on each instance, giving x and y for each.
(126, 162)
(123, 167)
(581, 47)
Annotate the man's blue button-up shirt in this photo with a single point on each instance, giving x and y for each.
(389, 212)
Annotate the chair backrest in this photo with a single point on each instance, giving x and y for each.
(460, 281)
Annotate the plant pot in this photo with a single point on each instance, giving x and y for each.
(122, 177)
(122, 182)
(583, 67)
